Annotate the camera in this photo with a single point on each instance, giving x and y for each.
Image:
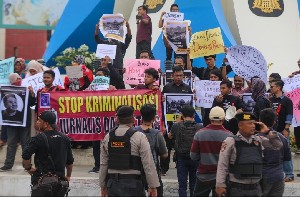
(138, 17)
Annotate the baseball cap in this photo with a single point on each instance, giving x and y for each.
(217, 113)
(50, 117)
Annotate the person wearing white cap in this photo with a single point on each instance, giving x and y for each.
(210, 139)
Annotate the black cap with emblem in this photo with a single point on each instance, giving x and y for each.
(245, 116)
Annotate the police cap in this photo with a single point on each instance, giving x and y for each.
(245, 116)
(125, 111)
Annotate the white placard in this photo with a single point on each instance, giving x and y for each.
(99, 83)
(206, 92)
(173, 16)
(36, 81)
(106, 50)
(74, 72)
(247, 62)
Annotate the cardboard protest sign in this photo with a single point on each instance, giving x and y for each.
(99, 83)
(173, 16)
(89, 115)
(208, 42)
(206, 91)
(187, 79)
(295, 97)
(172, 106)
(6, 68)
(74, 71)
(113, 26)
(14, 102)
(291, 84)
(106, 50)
(36, 81)
(177, 35)
(247, 62)
(135, 68)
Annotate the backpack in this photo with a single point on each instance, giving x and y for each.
(152, 138)
(184, 137)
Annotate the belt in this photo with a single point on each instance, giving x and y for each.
(244, 186)
(124, 176)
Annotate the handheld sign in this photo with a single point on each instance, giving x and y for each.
(135, 69)
(99, 83)
(291, 84)
(106, 50)
(208, 42)
(295, 97)
(247, 62)
(113, 26)
(206, 91)
(6, 68)
(74, 72)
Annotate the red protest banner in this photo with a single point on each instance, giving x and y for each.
(89, 115)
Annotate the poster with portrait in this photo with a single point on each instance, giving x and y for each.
(248, 101)
(177, 35)
(172, 107)
(187, 79)
(14, 102)
(113, 26)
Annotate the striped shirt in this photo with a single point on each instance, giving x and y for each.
(206, 148)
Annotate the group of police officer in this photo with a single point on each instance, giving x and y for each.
(125, 154)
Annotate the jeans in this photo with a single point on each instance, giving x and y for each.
(14, 136)
(4, 133)
(288, 166)
(272, 189)
(96, 153)
(204, 188)
(186, 167)
(141, 46)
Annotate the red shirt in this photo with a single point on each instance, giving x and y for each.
(144, 31)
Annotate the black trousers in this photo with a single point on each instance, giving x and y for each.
(96, 153)
(125, 187)
(297, 136)
(143, 45)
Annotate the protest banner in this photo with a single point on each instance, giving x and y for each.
(36, 81)
(177, 35)
(14, 102)
(247, 62)
(295, 97)
(89, 115)
(206, 91)
(172, 105)
(106, 50)
(99, 83)
(291, 84)
(113, 26)
(208, 42)
(173, 16)
(6, 68)
(187, 79)
(135, 68)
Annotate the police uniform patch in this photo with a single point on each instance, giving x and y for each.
(223, 147)
(118, 144)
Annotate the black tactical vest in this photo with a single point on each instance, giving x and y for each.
(249, 161)
(119, 151)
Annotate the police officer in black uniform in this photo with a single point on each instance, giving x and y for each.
(241, 158)
(53, 154)
(124, 153)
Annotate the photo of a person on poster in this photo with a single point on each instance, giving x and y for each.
(13, 108)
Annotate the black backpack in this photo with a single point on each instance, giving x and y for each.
(184, 137)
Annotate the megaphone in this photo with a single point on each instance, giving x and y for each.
(230, 113)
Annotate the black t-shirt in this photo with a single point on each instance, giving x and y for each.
(60, 149)
(284, 108)
(173, 88)
(203, 73)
